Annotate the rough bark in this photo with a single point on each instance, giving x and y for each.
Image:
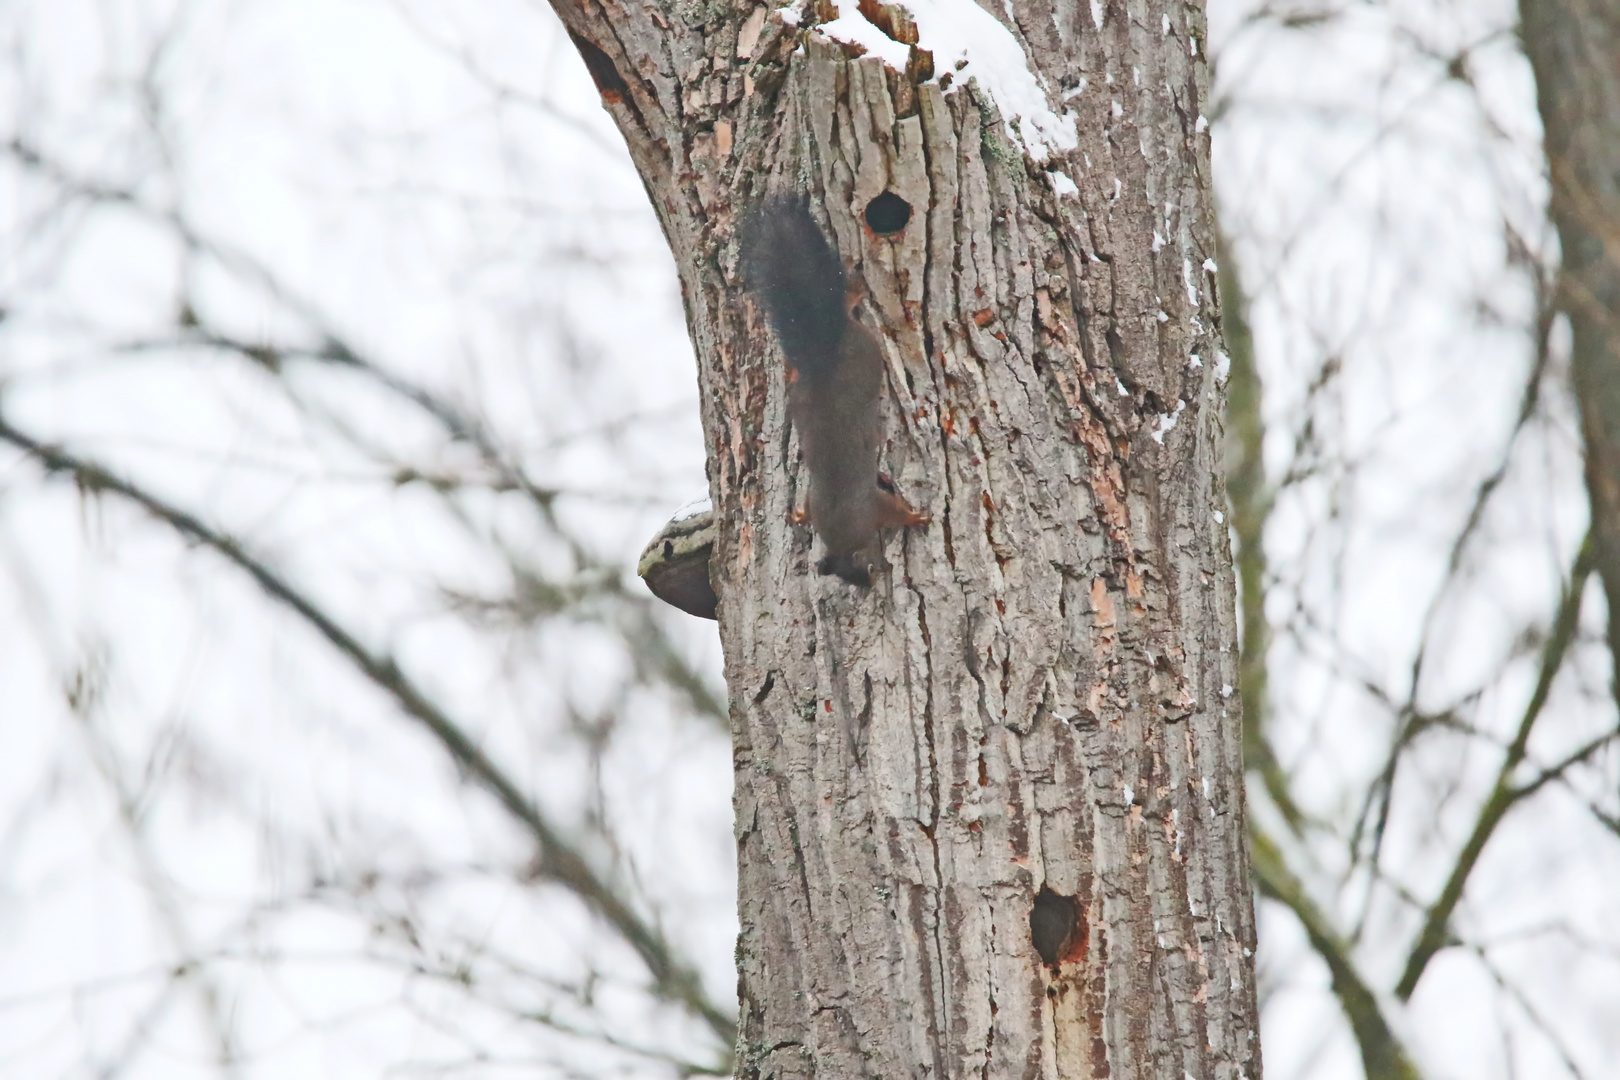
(1038, 699)
(1574, 47)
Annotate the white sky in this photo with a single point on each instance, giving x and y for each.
(436, 183)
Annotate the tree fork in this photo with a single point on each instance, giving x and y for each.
(989, 814)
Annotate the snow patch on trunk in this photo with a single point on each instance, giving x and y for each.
(961, 32)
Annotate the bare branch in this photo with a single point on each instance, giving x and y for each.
(1436, 924)
(1411, 722)
(1251, 501)
(556, 860)
(1382, 1055)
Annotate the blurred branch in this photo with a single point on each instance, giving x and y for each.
(1534, 1014)
(1251, 501)
(557, 860)
(1529, 402)
(82, 690)
(1580, 754)
(457, 974)
(1382, 1055)
(1437, 923)
(1412, 721)
(648, 641)
(468, 63)
(1571, 46)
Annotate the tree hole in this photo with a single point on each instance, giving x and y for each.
(1051, 925)
(887, 214)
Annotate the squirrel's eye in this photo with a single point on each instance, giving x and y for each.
(887, 214)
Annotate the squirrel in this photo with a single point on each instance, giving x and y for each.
(835, 374)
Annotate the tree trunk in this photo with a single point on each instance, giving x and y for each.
(990, 812)
(1574, 47)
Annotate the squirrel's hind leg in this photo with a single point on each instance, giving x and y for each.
(893, 510)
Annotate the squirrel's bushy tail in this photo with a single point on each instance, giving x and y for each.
(788, 263)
